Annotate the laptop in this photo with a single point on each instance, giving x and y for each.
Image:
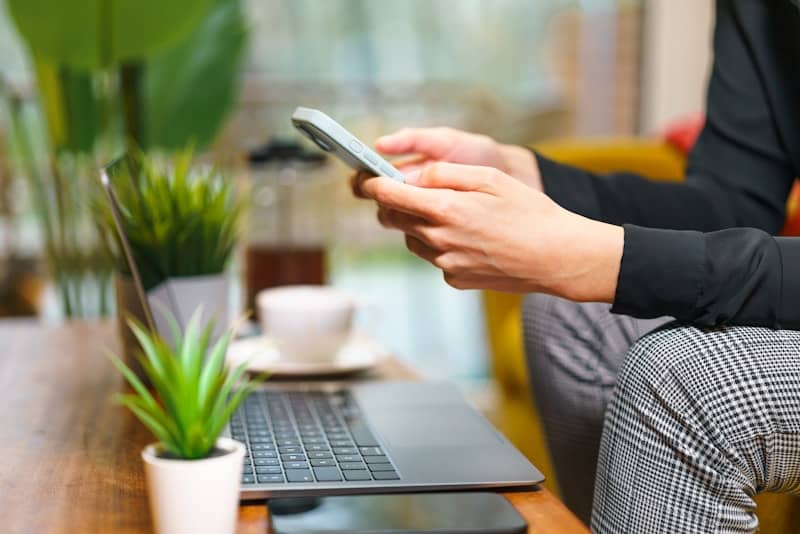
(307, 439)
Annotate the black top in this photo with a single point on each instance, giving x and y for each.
(702, 251)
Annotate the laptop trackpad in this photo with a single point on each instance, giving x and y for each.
(436, 426)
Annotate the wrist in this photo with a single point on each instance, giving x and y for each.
(594, 260)
(520, 163)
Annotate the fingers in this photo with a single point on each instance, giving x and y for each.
(454, 176)
(440, 260)
(426, 203)
(409, 224)
(407, 165)
(355, 183)
(415, 161)
(495, 283)
(458, 281)
(435, 200)
(431, 142)
(422, 249)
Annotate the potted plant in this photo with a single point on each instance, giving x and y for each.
(193, 475)
(104, 85)
(182, 225)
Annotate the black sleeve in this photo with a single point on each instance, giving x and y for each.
(738, 174)
(740, 276)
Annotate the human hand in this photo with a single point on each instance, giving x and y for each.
(486, 230)
(455, 146)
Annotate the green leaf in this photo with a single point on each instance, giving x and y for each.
(164, 388)
(174, 327)
(192, 344)
(175, 219)
(213, 366)
(134, 381)
(148, 344)
(92, 34)
(153, 425)
(221, 396)
(190, 88)
(237, 399)
(155, 412)
(196, 399)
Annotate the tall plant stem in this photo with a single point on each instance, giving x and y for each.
(40, 196)
(63, 247)
(130, 75)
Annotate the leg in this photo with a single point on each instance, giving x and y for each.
(574, 352)
(699, 423)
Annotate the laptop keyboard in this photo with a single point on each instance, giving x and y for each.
(307, 437)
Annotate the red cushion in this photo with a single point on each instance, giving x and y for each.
(683, 133)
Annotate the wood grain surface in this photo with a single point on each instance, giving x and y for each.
(69, 457)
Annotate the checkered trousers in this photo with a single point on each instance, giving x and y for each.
(574, 352)
(700, 421)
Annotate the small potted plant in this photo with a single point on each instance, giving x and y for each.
(193, 474)
(182, 224)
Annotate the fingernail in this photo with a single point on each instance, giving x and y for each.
(412, 177)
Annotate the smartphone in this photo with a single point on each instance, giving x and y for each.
(429, 513)
(332, 137)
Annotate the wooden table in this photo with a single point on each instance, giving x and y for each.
(69, 458)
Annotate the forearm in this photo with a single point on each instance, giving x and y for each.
(701, 204)
(740, 276)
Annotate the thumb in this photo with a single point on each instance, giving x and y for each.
(454, 176)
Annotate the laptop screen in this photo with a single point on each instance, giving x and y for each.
(119, 181)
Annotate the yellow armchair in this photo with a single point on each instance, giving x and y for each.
(516, 415)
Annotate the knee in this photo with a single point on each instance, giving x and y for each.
(663, 361)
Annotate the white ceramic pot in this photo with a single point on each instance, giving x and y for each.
(195, 496)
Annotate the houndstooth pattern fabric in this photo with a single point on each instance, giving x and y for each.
(742, 383)
(574, 352)
(700, 421)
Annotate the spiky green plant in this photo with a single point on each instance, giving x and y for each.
(195, 394)
(180, 221)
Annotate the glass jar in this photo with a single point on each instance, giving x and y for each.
(291, 217)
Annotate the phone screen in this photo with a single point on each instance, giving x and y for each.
(465, 513)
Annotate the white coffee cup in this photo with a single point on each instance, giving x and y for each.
(308, 323)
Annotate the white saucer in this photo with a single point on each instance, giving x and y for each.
(358, 354)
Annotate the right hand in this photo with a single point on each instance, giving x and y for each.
(487, 230)
(456, 146)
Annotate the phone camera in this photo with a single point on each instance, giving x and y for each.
(317, 141)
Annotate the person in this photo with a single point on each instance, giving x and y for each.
(704, 412)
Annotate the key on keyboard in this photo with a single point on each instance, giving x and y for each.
(306, 437)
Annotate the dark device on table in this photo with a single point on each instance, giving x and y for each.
(432, 513)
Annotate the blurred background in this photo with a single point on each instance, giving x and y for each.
(224, 76)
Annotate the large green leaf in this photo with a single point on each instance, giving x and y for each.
(94, 34)
(190, 88)
(71, 108)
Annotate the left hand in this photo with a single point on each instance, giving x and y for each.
(486, 230)
(422, 146)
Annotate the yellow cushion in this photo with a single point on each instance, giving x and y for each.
(648, 157)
